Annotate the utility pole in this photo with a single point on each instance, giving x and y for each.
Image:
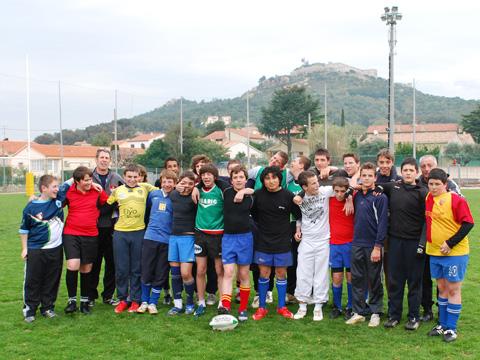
(61, 129)
(325, 115)
(181, 132)
(115, 132)
(414, 124)
(248, 130)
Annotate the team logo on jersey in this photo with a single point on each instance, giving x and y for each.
(122, 196)
(58, 203)
(198, 249)
(206, 203)
(162, 206)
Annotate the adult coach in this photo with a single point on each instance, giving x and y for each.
(109, 180)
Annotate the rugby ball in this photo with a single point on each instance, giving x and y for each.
(224, 322)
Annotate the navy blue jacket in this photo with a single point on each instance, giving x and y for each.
(371, 219)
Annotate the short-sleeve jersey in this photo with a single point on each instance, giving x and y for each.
(444, 215)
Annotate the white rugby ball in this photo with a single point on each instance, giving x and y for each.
(223, 322)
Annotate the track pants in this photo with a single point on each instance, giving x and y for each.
(312, 271)
(105, 251)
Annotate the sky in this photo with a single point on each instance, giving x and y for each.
(151, 51)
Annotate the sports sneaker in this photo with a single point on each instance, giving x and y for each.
(256, 302)
(85, 308)
(348, 314)
(390, 323)
(167, 299)
(436, 331)
(121, 307)
(71, 307)
(134, 306)
(174, 311)
(189, 309)
(335, 313)
(243, 315)
(49, 314)
(269, 297)
(152, 309)
(260, 314)
(199, 311)
(223, 311)
(287, 314)
(355, 319)
(412, 324)
(374, 320)
(290, 299)
(112, 301)
(143, 308)
(317, 314)
(91, 303)
(300, 314)
(211, 299)
(427, 316)
(29, 319)
(449, 335)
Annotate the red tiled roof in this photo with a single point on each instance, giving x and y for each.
(68, 150)
(10, 147)
(146, 137)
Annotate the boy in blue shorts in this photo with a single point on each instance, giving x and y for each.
(449, 221)
(155, 243)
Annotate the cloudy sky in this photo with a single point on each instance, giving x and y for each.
(153, 51)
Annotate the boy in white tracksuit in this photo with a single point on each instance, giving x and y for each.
(313, 232)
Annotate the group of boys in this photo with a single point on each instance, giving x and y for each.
(299, 221)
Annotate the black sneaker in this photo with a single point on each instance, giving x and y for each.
(348, 314)
(223, 311)
(85, 307)
(436, 331)
(335, 313)
(449, 335)
(427, 316)
(390, 323)
(71, 307)
(412, 324)
(167, 299)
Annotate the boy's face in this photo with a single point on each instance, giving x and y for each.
(271, 182)
(85, 184)
(368, 178)
(208, 179)
(350, 166)
(276, 160)
(172, 165)
(167, 184)
(436, 187)
(426, 166)
(312, 186)
(409, 174)
(131, 178)
(199, 166)
(239, 181)
(296, 166)
(321, 162)
(385, 165)
(51, 190)
(187, 186)
(231, 167)
(339, 192)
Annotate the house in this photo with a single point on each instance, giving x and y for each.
(238, 135)
(425, 134)
(234, 148)
(299, 147)
(141, 141)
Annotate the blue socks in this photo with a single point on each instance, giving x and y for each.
(282, 292)
(262, 291)
(349, 291)
(155, 295)
(146, 292)
(177, 284)
(337, 296)
(442, 311)
(189, 289)
(453, 313)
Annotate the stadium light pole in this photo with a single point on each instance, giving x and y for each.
(414, 122)
(248, 131)
(391, 17)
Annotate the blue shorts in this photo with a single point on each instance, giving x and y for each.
(237, 248)
(450, 268)
(340, 255)
(269, 259)
(180, 248)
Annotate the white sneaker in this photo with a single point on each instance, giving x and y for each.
(256, 302)
(211, 299)
(300, 314)
(317, 314)
(374, 320)
(152, 309)
(269, 297)
(355, 319)
(143, 308)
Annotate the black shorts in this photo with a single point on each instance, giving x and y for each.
(84, 248)
(208, 245)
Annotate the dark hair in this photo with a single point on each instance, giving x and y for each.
(304, 176)
(142, 171)
(409, 161)
(386, 154)
(340, 181)
(368, 166)
(322, 152)
(102, 150)
(187, 174)
(170, 158)
(284, 156)
(45, 180)
(209, 168)
(80, 172)
(305, 161)
(274, 170)
(233, 161)
(131, 168)
(237, 169)
(196, 159)
(168, 174)
(438, 174)
(352, 155)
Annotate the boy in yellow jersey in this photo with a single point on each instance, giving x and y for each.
(128, 237)
(449, 220)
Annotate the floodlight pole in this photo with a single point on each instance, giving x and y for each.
(414, 123)
(248, 131)
(61, 130)
(181, 132)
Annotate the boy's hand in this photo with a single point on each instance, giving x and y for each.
(348, 207)
(297, 200)
(97, 187)
(298, 236)
(376, 254)
(325, 173)
(180, 188)
(24, 254)
(195, 195)
(445, 249)
(32, 198)
(239, 196)
(378, 190)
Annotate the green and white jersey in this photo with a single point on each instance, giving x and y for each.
(209, 217)
(257, 172)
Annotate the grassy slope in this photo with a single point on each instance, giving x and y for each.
(105, 335)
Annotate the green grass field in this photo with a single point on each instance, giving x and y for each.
(104, 335)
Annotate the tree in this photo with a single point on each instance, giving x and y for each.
(368, 150)
(155, 155)
(342, 119)
(102, 139)
(45, 139)
(289, 107)
(216, 126)
(471, 124)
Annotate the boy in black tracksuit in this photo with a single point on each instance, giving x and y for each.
(407, 208)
